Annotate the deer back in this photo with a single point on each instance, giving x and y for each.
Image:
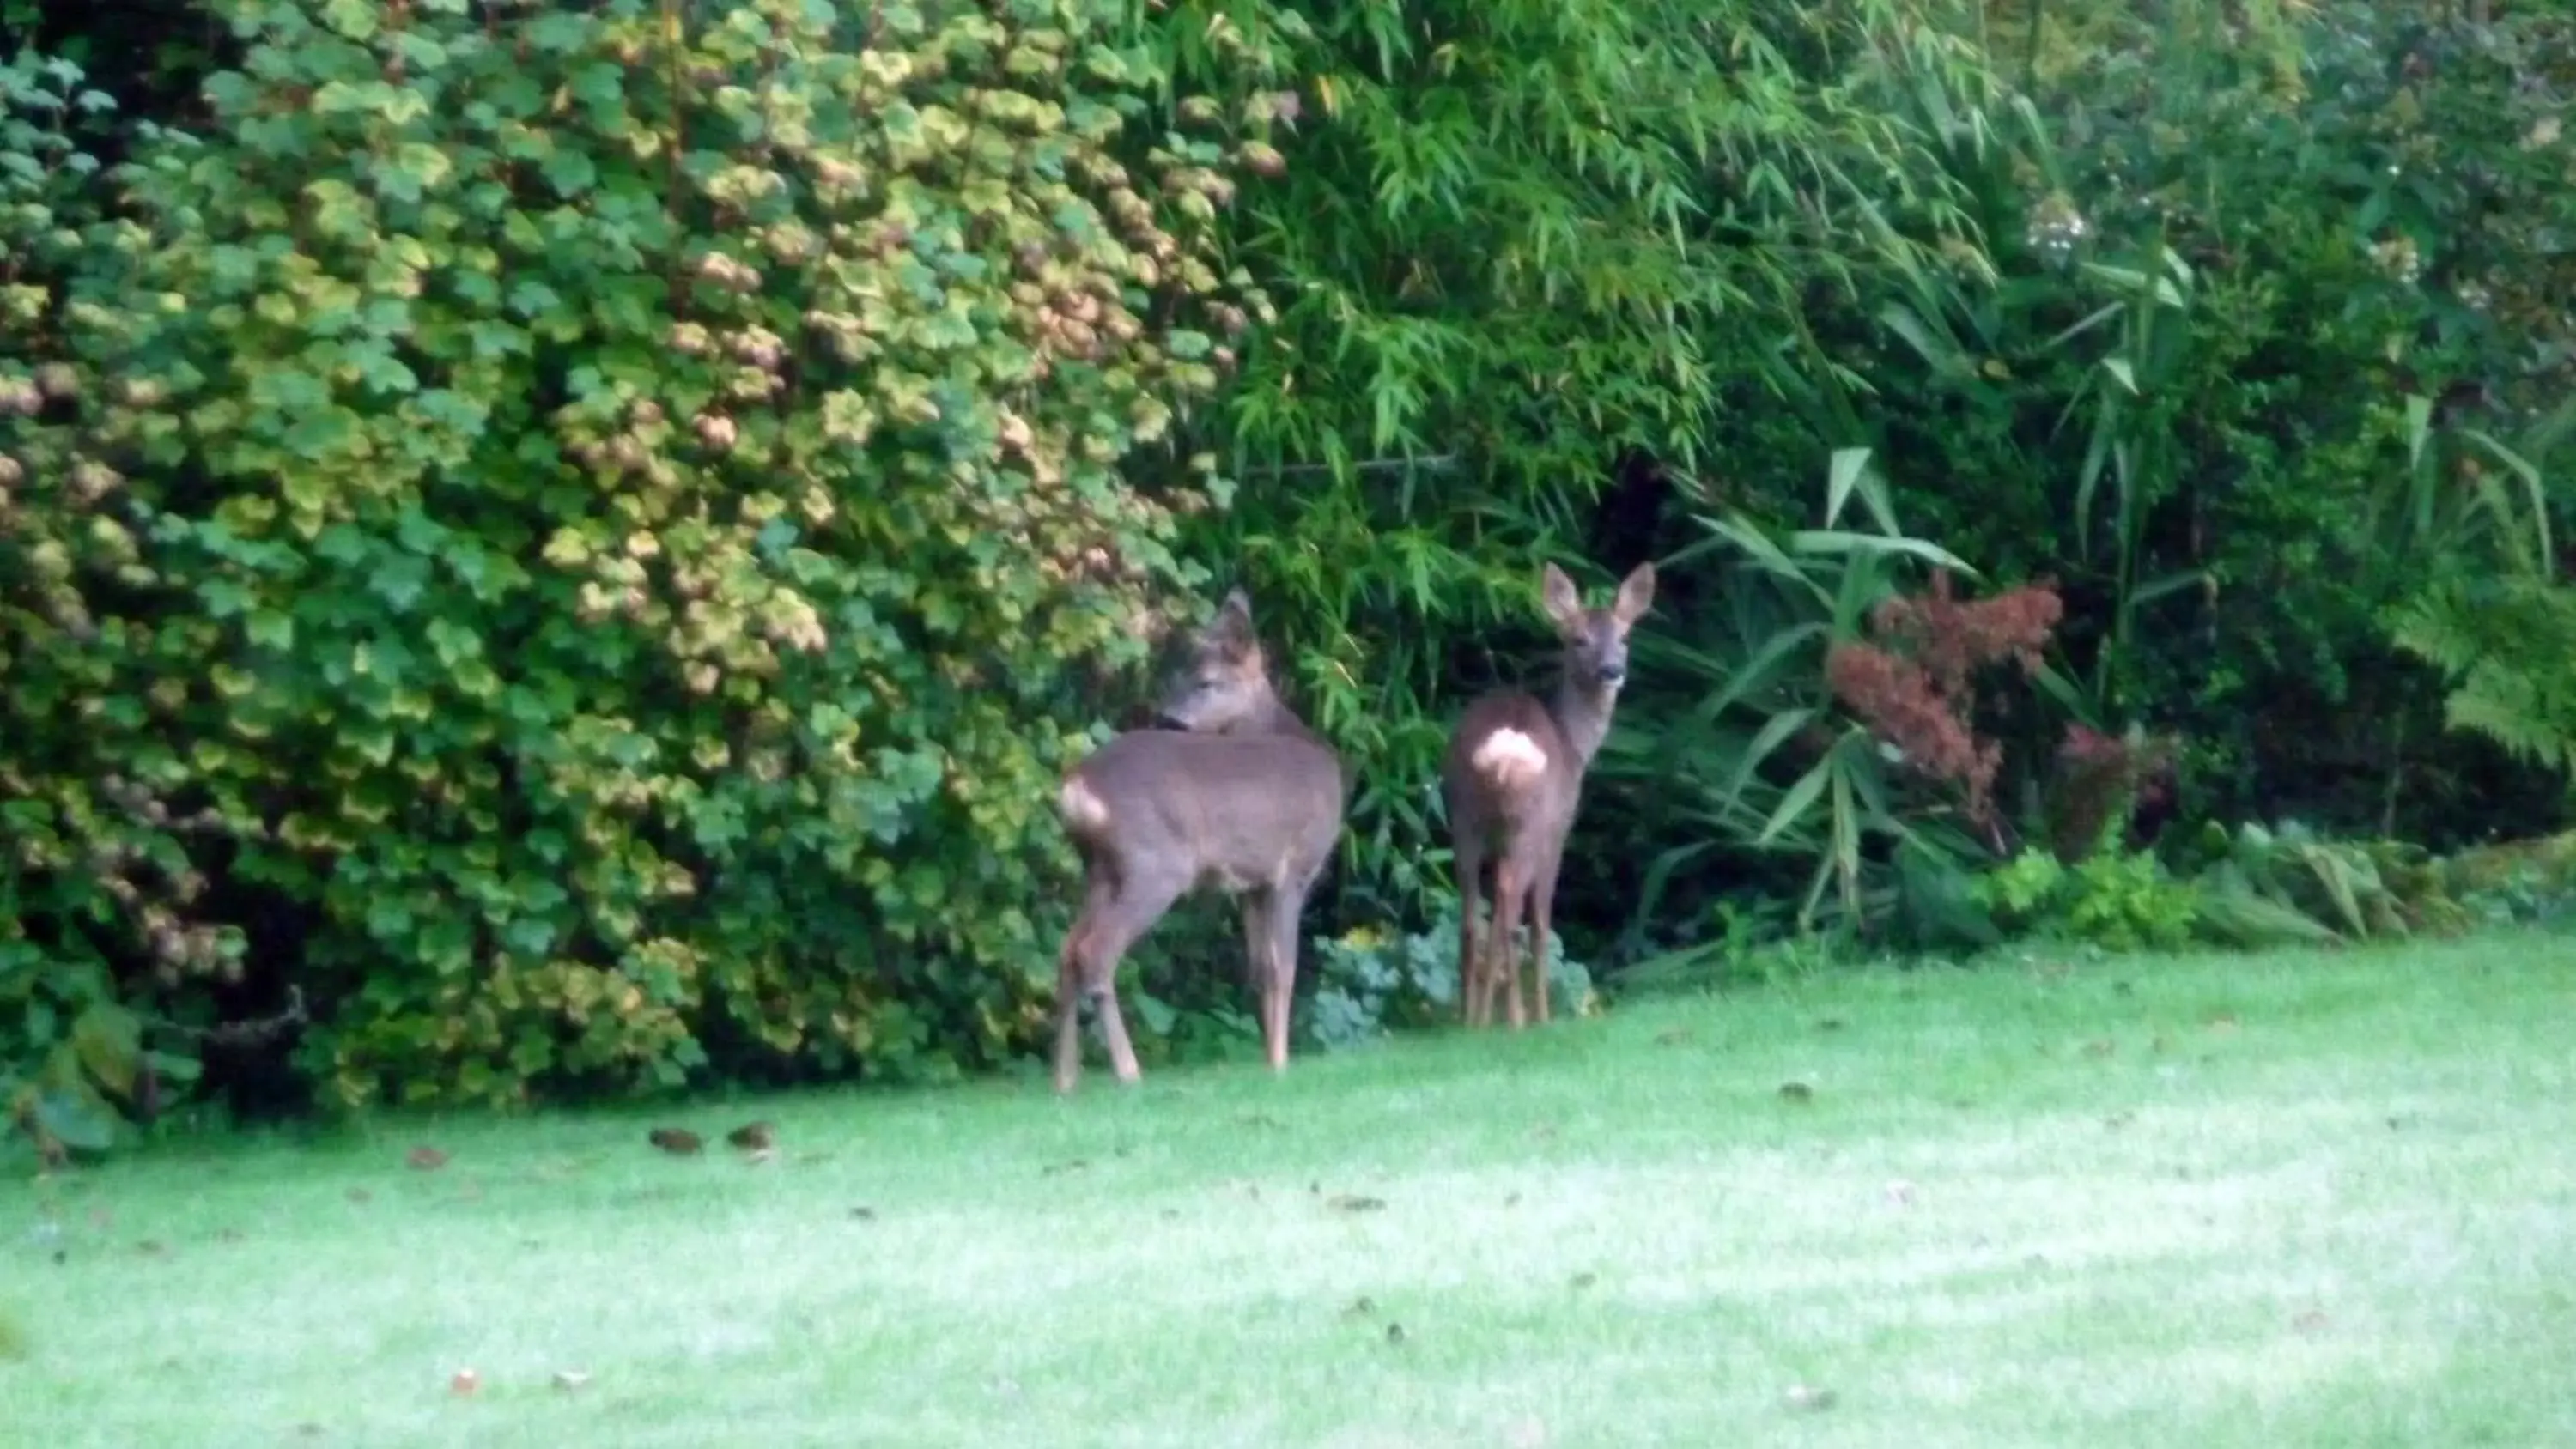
(1238, 809)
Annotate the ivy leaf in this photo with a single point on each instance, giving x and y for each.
(270, 629)
(355, 19)
(224, 597)
(76, 1119)
(532, 298)
(399, 579)
(109, 1039)
(571, 173)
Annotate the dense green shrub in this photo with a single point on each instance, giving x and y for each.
(1533, 256)
(2262, 886)
(1369, 981)
(595, 527)
(2118, 900)
(2244, 388)
(85, 852)
(579, 535)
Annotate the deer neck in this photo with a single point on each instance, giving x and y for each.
(1583, 717)
(1274, 717)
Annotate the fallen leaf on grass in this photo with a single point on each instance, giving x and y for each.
(1352, 1203)
(426, 1159)
(464, 1382)
(753, 1137)
(1797, 1092)
(568, 1380)
(1800, 1396)
(678, 1141)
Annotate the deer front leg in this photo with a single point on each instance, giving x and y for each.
(1260, 949)
(1542, 901)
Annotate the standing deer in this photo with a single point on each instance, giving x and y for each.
(1242, 796)
(1513, 779)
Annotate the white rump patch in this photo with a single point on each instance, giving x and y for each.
(1082, 807)
(1510, 760)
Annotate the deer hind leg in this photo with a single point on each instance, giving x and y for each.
(1511, 893)
(1467, 859)
(1099, 889)
(1103, 937)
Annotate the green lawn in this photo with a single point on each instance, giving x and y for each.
(2281, 1200)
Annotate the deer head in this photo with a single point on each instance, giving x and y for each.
(1223, 682)
(1596, 640)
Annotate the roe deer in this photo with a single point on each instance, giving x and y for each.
(1513, 778)
(1242, 796)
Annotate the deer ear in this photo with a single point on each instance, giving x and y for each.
(1564, 602)
(1232, 626)
(1636, 595)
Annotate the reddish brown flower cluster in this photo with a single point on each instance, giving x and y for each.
(1916, 691)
